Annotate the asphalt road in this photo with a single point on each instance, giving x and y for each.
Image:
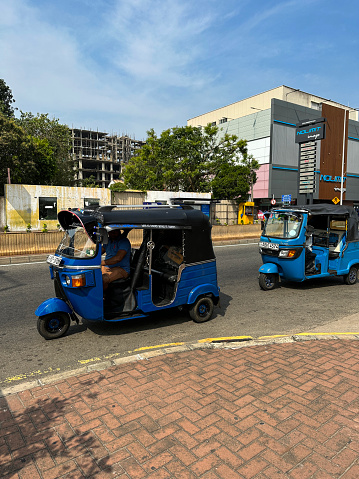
(245, 310)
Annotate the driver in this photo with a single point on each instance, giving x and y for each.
(116, 264)
(309, 255)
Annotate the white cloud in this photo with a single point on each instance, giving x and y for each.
(132, 65)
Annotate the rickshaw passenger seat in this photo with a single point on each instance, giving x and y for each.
(123, 282)
(335, 250)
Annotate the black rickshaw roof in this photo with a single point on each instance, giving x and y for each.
(144, 217)
(185, 217)
(325, 209)
(196, 224)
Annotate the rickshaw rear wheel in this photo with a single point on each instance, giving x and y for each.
(202, 309)
(268, 281)
(352, 276)
(53, 325)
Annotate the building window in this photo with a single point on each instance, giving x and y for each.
(223, 120)
(91, 202)
(315, 105)
(47, 208)
(213, 123)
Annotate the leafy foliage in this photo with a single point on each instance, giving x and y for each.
(30, 159)
(118, 186)
(231, 183)
(90, 182)
(190, 159)
(59, 139)
(6, 100)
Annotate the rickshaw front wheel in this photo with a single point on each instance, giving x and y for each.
(268, 281)
(53, 325)
(352, 276)
(202, 310)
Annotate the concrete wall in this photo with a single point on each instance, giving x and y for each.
(129, 197)
(167, 196)
(22, 203)
(2, 212)
(225, 213)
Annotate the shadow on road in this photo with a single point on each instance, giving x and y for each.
(157, 320)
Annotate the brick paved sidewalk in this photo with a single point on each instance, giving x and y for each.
(286, 410)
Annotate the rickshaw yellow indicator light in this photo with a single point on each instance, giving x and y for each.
(78, 281)
(291, 253)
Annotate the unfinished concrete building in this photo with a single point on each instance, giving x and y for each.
(100, 156)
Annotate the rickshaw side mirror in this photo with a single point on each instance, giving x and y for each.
(103, 235)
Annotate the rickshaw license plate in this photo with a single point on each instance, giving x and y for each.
(55, 260)
(262, 244)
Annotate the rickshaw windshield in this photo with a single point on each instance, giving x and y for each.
(76, 244)
(283, 225)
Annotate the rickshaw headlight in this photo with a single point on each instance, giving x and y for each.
(67, 280)
(287, 253)
(78, 280)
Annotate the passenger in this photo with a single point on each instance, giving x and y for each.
(116, 264)
(309, 255)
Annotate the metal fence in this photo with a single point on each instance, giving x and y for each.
(13, 244)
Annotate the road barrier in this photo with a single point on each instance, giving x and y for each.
(12, 244)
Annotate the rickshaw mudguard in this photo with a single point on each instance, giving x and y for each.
(52, 305)
(269, 268)
(203, 289)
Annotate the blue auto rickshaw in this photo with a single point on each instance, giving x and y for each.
(311, 241)
(174, 266)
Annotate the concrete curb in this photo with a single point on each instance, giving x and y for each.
(210, 343)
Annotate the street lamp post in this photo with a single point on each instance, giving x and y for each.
(344, 140)
(342, 175)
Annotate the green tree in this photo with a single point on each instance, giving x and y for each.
(59, 139)
(89, 182)
(231, 182)
(6, 100)
(13, 146)
(118, 186)
(188, 159)
(29, 159)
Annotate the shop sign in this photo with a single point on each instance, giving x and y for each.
(335, 179)
(315, 132)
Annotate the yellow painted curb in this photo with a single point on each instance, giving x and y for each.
(145, 348)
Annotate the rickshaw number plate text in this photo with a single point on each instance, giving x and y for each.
(55, 260)
(263, 244)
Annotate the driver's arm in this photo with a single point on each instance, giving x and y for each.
(121, 253)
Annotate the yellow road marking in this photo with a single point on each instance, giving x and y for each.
(157, 346)
(32, 374)
(86, 361)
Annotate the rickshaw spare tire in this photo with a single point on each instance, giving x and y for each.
(352, 276)
(268, 281)
(53, 325)
(202, 309)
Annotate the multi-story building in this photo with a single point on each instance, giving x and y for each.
(100, 155)
(269, 120)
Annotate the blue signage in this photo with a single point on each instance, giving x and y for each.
(335, 179)
(310, 133)
(205, 209)
(286, 198)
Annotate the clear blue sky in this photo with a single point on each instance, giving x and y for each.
(128, 66)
